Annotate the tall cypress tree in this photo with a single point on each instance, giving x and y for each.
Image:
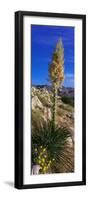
(56, 74)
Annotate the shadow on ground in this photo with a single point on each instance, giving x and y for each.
(10, 183)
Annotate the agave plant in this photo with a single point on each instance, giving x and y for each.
(48, 145)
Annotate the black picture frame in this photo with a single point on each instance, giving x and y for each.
(19, 98)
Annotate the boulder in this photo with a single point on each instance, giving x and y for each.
(36, 103)
(35, 169)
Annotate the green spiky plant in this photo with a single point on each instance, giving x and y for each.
(56, 74)
(47, 146)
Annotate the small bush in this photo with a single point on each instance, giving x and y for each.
(68, 100)
(66, 107)
(36, 118)
(60, 111)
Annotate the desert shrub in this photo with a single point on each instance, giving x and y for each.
(68, 100)
(36, 118)
(66, 107)
(60, 111)
(47, 146)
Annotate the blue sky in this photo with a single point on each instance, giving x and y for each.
(43, 42)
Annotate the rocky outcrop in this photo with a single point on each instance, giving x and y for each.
(36, 103)
(41, 102)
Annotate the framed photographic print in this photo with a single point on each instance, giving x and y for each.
(50, 99)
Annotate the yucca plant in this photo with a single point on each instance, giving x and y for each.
(48, 145)
(56, 74)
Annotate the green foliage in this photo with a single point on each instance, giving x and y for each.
(40, 157)
(52, 140)
(68, 100)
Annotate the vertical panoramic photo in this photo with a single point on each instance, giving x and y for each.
(52, 99)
